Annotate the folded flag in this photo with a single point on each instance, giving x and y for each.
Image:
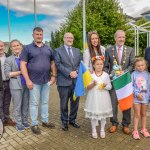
(124, 91)
(83, 80)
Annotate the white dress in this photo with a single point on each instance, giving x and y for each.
(98, 102)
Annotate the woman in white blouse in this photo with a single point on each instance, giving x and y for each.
(94, 49)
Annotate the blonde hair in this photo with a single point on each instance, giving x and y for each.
(15, 40)
(138, 59)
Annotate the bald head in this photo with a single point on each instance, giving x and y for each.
(1, 48)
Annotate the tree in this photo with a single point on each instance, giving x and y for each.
(101, 15)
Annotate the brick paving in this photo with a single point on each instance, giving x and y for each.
(73, 139)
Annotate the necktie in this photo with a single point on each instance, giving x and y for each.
(119, 55)
(70, 54)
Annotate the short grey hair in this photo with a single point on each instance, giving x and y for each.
(118, 32)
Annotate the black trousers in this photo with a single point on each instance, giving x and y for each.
(126, 115)
(5, 98)
(66, 94)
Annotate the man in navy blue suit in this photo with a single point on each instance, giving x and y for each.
(67, 60)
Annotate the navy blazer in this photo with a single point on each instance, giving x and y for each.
(64, 65)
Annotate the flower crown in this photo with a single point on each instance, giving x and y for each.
(98, 58)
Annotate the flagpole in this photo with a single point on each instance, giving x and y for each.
(84, 24)
(35, 16)
(9, 31)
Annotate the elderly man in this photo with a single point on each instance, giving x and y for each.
(36, 65)
(5, 96)
(125, 57)
(67, 59)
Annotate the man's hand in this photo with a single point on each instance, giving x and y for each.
(53, 80)
(73, 74)
(29, 84)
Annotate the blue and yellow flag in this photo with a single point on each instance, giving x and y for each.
(83, 80)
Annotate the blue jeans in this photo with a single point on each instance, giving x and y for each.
(39, 92)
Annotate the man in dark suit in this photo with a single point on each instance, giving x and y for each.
(5, 96)
(147, 57)
(67, 60)
(125, 57)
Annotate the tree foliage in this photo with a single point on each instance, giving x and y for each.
(104, 16)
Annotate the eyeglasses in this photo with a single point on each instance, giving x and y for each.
(69, 38)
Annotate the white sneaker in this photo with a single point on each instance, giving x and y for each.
(102, 134)
(94, 135)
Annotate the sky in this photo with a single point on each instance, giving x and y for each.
(50, 13)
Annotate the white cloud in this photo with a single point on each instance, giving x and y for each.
(47, 7)
(135, 7)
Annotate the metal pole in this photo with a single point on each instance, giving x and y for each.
(135, 40)
(84, 24)
(149, 39)
(35, 17)
(9, 31)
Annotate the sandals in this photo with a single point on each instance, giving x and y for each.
(135, 135)
(145, 133)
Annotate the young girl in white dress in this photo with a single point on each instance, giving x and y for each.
(98, 103)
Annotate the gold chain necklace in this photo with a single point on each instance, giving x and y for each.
(124, 56)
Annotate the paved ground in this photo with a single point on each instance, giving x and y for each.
(74, 139)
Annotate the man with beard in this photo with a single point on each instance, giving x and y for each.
(67, 59)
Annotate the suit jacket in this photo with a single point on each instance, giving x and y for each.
(147, 57)
(1, 79)
(109, 59)
(64, 65)
(11, 66)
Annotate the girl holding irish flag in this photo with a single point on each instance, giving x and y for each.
(141, 89)
(98, 103)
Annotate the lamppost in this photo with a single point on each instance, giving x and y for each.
(9, 31)
(35, 17)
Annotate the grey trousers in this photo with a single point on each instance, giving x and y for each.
(126, 119)
(20, 98)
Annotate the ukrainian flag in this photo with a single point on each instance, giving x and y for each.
(83, 80)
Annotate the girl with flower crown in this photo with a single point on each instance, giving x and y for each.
(94, 49)
(98, 103)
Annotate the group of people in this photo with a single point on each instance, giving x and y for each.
(28, 73)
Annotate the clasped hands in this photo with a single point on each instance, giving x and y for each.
(73, 74)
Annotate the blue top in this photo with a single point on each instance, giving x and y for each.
(38, 62)
(141, 84)
(23, 81)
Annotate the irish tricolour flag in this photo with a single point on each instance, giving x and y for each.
(124, 91)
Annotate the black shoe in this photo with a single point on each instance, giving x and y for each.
(65, 127)
(74, 124)
(48, 125)
(35, 129)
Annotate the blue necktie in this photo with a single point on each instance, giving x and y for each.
(70, 55)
